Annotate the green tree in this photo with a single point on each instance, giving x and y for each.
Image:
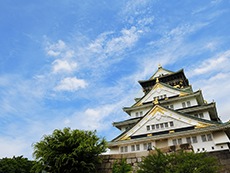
(123, 167)
(180, 162)
(67, 151)
(16, 165)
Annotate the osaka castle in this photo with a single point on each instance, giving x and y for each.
(170, 114)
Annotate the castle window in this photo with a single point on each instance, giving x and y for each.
(188, 139)
(183, 104)
(149, 146)
(153, 127)
(174, 142)
(162, 125)
(196, 115)
(138, 147)
(165, 96)
(126, 148)
(201, 115)
(148, 127)
(166, 125)
(133, 147)
(145, 146)
(122, 149)
(171, 124)
(188, 103)
(136, 114)
(179, 141)
(213, 148)
(157, 126)
(203, 137)
(141, 113)
(209, 136)
(171, 106)
(194, 139)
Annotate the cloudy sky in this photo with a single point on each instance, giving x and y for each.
(77, 63)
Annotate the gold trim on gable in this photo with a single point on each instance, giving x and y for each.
(158, 86)
(182, 94)
(139, 104)
(124, 138)
(149, 135)
(202, 125)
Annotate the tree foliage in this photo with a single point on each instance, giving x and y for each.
(123, 167)
(16, 165)
(180, 162)
(67, 151)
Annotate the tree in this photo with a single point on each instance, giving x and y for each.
(123, 167)
(180, 162)
(67, 151)
(16, 165)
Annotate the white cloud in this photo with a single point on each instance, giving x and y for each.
(70, 84)
(63, 66)
(52, 53)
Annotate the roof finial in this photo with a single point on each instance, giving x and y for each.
(159, 66)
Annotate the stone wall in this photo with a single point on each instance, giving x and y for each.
(134, 158)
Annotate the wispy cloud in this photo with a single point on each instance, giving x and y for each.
(217, 63)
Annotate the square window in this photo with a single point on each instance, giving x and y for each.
(167, 106)
(201, 115)
(122, 149)
(174, 142)
(171, 124)
(188, 103)
(196, 115)
(126, 128)
(145, 146)
(157, 126)
(148, 127)
(188, 139)
(183, 104)
(203, 137)
(194, 139)
(179, 141)
(166, 124)
(165, 96)
(162, 125)
(209, 136)
(126, 148)
(171, 106)
(153, 127)
(133, 147)
(136, 114)
(141, 113)
(157, 97)
(138, 147)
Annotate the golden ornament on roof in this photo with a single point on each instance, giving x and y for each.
(159, 66)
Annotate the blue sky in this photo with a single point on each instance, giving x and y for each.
(77, 63)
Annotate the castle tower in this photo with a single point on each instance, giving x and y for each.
(170, 113)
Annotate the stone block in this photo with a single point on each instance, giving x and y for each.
(107, 165)
(129, 155)
(116, 156)
(129, 161)
(134, 160)
(139, 159)
(225, 162)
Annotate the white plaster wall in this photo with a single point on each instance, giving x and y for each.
(178, 104)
